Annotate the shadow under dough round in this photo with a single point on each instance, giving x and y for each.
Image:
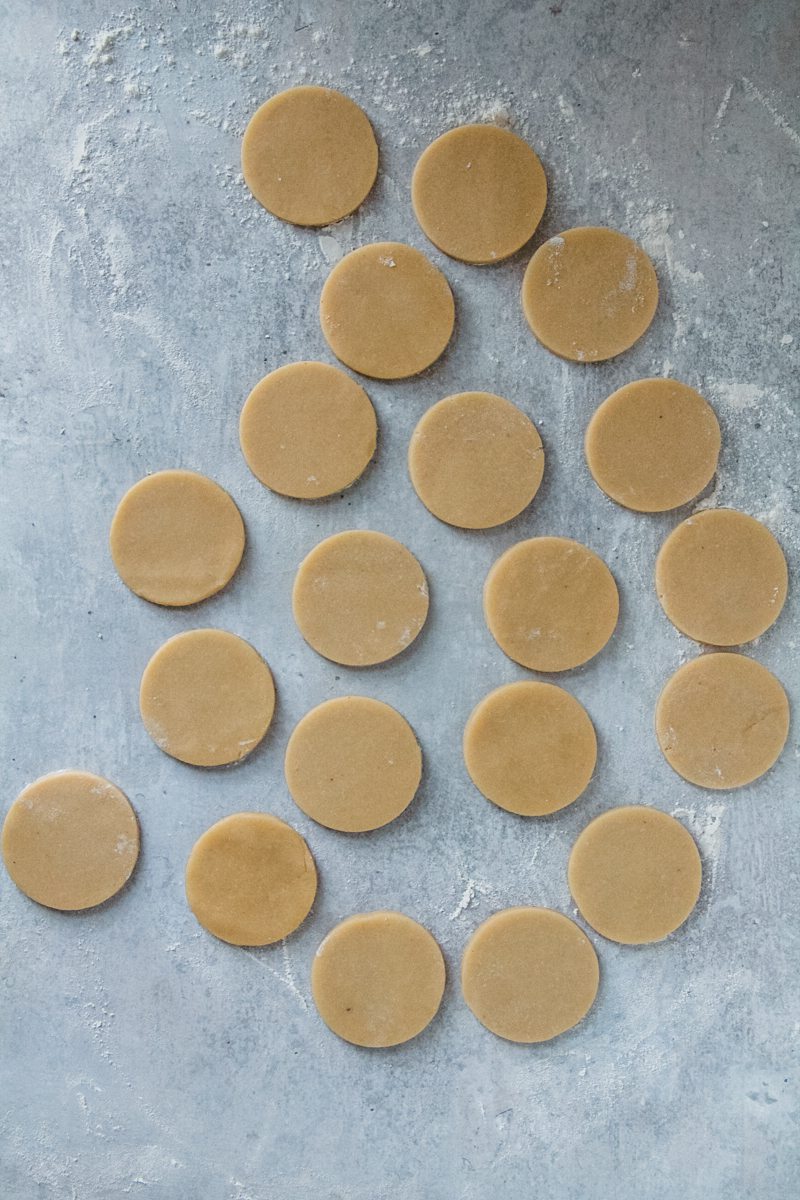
(722, 720)
(529, 974)
(721, 577)
(309, 156)
(207, 698)
(176, 538)
(386, 311)
(70, 840)
(550, 603)
(589, 293)
(307, 430)
(635, 874)
(353, 764)
(378, 979)
(475, 460)
(250, 879)
(530, 748)
(479, 193)
(653, 445)
(360, 598)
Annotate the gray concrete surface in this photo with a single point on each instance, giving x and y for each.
(144, 293)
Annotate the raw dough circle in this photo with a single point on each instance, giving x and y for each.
(653, 445)
(550, 603)
(250, 879)
(529, 974)
(378, 979)
(176, 538)
(721, 577)
(589, 293)
(479, 193)
(635, 874)
(207, 697)
(722, 720)
(475, 460)
(353, 764)
(530, 748)
(309, 156)
(386, 311)
(70, 840)
(307, 430)
(360, 598)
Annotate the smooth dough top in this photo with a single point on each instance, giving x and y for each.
(550, 603)
(176, 538)
(387, 311)
(589, 293)
(722, 720)
(635, 874)
(309, 156)
(653, 445)
(721, 577)
(479, 193)
(530, 748)
(307, 430)
(207, 697)
(70, 840)
(475, 460)
(250, 879)
(353, 764)
(360, 598)
(529, 974)
(378, 979)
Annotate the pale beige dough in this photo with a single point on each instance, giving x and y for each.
(479, 193)
(176, 538)
(353, 764)
(589, 293)
(635, 874)
(386, 311)
(360, 598)
(378, 979)
(207, 697)
(250, 879)
(721, 577)
(475, 460)
(309, 156)
(530, 748)
(550, 603)
(529, 974)
(307, 430)
(653, 445)
(722, 720)
(70, 840)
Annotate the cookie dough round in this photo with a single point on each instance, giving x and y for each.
(530, 748)
(653, 445)
(176, 538)
(378, 979)
(529, 974)
(550, 603)
(722, 720)
(70, 840)
(386, 311)
(353, 764)
(479, 192)
(360, 598)
(635, 874)
(309, 156)
(207, 698)
(475, 460)
(589, 293)
(250, 879)
(721, 577)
